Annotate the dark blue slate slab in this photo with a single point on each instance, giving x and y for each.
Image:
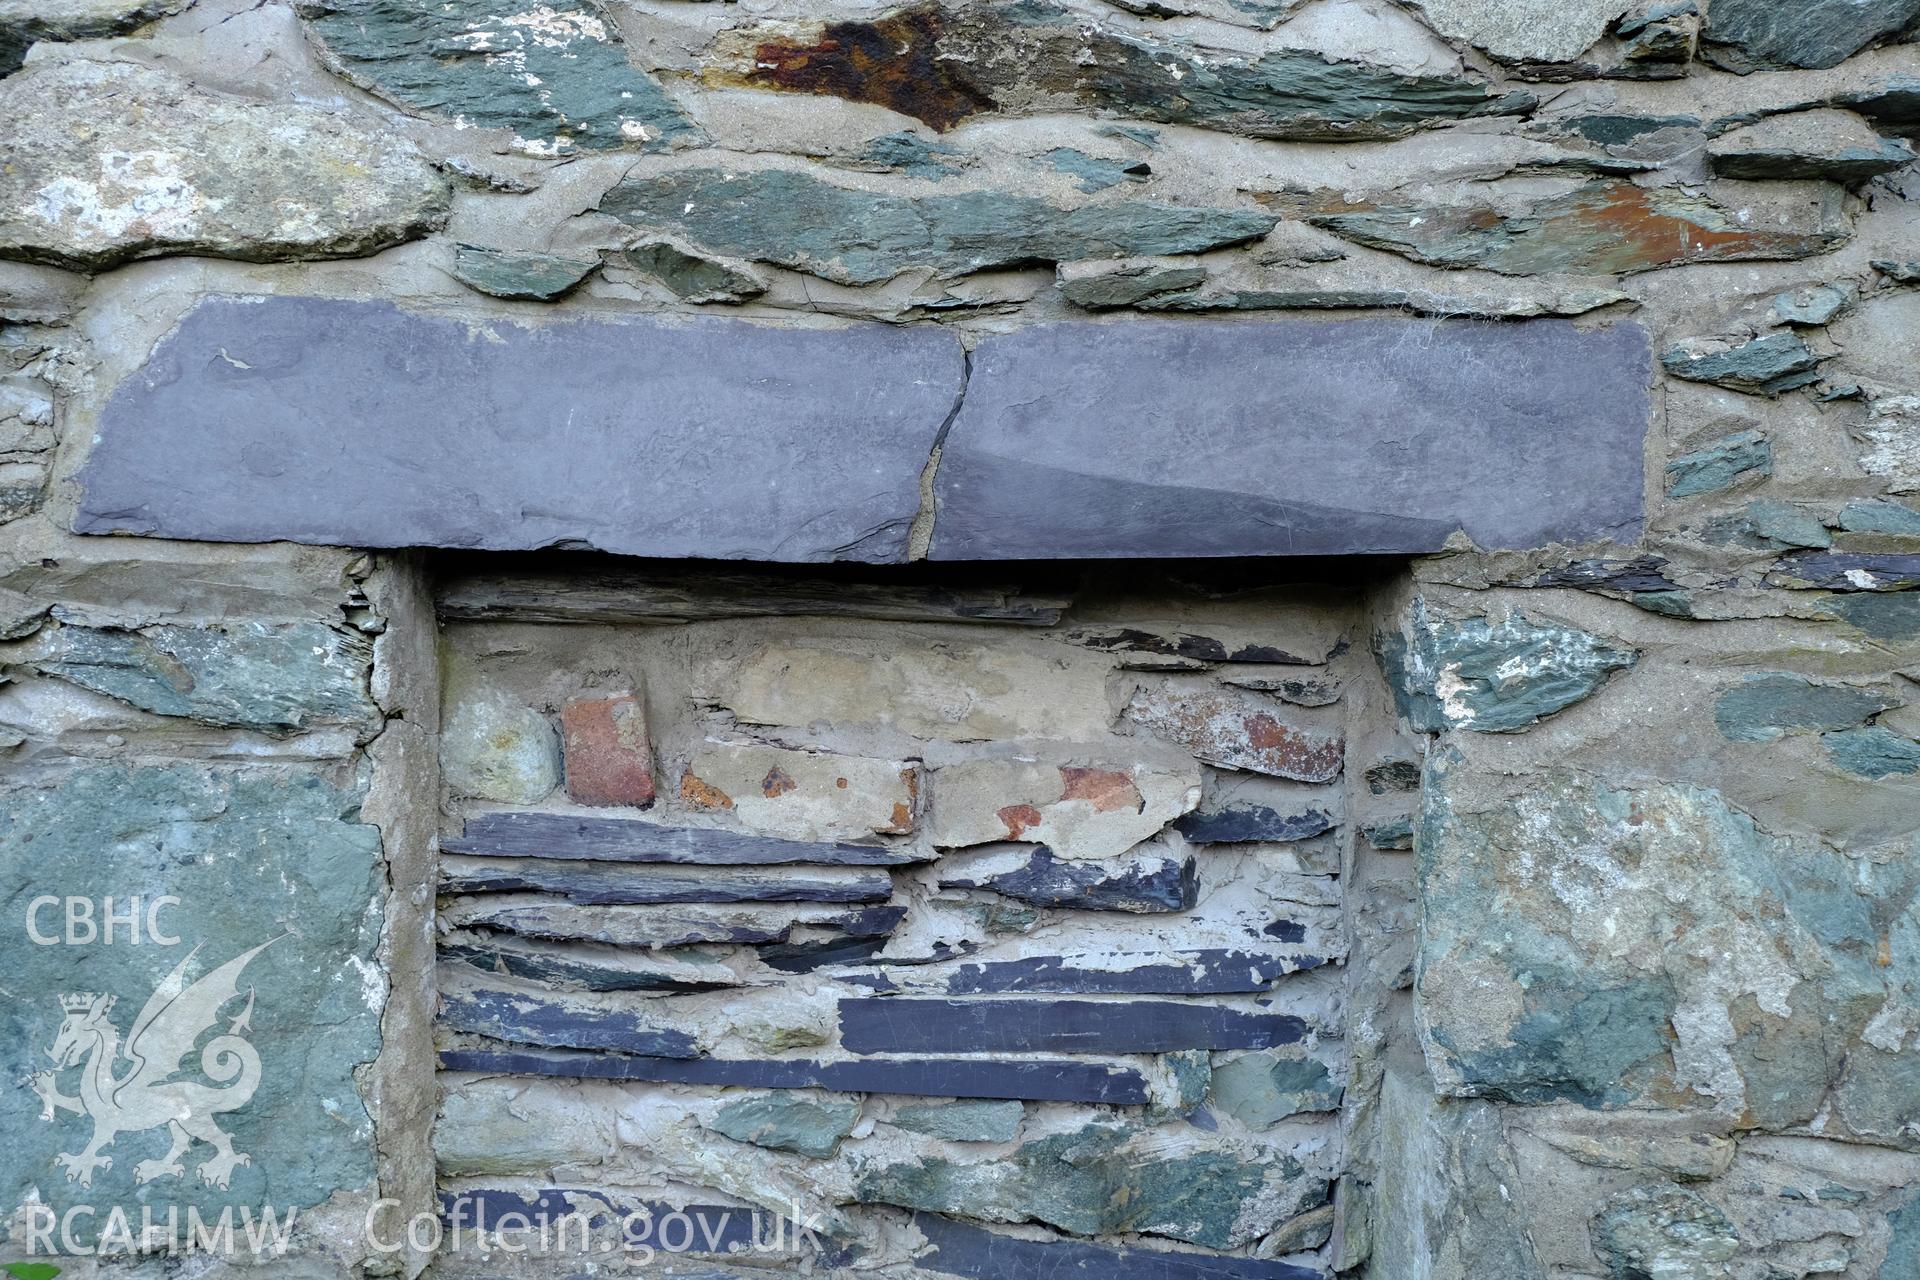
(1847, 571)
(525, 1019)
(1187, 973)
(1293, 437)
(510, 834)
(962, 1249)
(1151, 884)
(718, 1229)
(611, 884)
(1244, 823)
(902, 1024)
(1029, 1080)
(359, 424)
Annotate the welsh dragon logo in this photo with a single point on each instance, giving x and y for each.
(143, 1094)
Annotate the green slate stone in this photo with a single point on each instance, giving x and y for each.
(1762, 708)
(913, 155)
(1880, 517)
(1746, 454)
(862, 237)
(693, 276)
(272, 677)
(256, 855)
(1260, 1091)
(1783, 524)
(530, 277)
(1487, 677)
(1126, 288)
(559, 79)
(964, 1121)
(1094, 1182)
(1094, 172)
(1769, 35)
(1765, 366)
(783, 1122)
(1873, 751)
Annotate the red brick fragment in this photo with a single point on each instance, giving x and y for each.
(609, 758)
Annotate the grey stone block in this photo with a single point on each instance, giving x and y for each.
(1293, 438)
(360, 424)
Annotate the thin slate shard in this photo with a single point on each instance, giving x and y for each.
(552, 1020)
(670, 925)
(1139, 884)
(605, 884)
(1029, 1079)
(963, 1249)
(564, 836)
(702, 438)
(898, 1024)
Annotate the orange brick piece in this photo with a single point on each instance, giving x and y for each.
(609, 759)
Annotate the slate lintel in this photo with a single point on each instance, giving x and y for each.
(359, 424)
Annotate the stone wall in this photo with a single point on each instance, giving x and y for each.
(1113, 870)
(1597, 316)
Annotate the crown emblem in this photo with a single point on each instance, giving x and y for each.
(78, 1001)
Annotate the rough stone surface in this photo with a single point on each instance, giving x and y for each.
(246, 675)
(111, 161)
(1766, 365)
(608, 756)
(1077, 811)
(528, 277)
(1764, 707)
(961, 1249)
(559, 79)
(657, 421)
(803, 795)
(1260, 1090)
(1837, 146)
(25, 22)
(495, 749)
(964, 1121)
(1532, 31)
(804, 1126)
(1652, 941)
(1671, 1233)
(1258, 397)
(1488, 677)
(1175, 1186)
(859, 237)
(1609, 227)
(1239, 730)
(1758, 35)
(1745, 454)
(257, 857)
(951, 693)
(944, 65)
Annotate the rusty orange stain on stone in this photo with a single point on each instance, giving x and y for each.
(1019, 819)
(894, 63)
(1106, 789)
(902, 818)
(777, 783)
(702, 795)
